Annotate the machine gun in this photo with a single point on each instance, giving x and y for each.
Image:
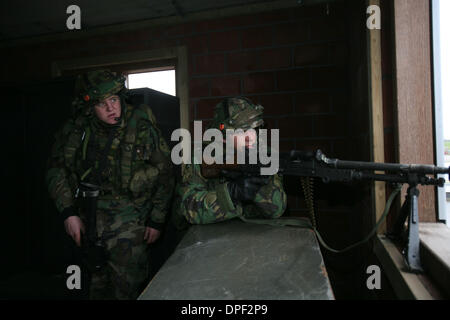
(307, 164)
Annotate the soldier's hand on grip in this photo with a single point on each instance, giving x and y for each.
(244, 189)
(74, 227)
(151, 235)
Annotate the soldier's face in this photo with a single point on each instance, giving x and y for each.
(245, 140)
(108, 110)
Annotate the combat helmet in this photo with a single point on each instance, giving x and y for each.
(94, 86)
(237, 113)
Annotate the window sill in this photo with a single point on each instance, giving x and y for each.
(435, 258)
(435, 253)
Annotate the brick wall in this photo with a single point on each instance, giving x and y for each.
(307, 68)
(298, 63)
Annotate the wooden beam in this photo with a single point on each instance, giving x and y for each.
(376, 112)
(414, 92)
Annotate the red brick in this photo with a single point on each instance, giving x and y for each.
(359, 118)
(226, 86)
(198, 88)
(239, 21)
(228, 22)
(329, 77)
(205, 125)
(289, 33)
(225, 41)
(386, 49)
(203, 26)
(212, 63)
(274, 16)
(259, 82)
(257, 37)
(313, 145)
(197, 44)
(191, 59)
(292, 202)
(122, 37)
(275, 58)
(161, 43)
(286, 146)
(388, 105)
(270, 123)
(138, 46)
(205, 108)
(339, 54)
(155, 31)
(242, 61)
(191, 111)
(276, 104)
(327, 29)
(293, 79)
(312, 102)
(330, 126)
(340, 102)
(389, 149)
(346, 149)
(101, 41)
(311, 55)
(386, 58)
(309, 12)
(295, 127)
(179, 29)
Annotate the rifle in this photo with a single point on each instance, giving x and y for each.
(93, 252)
(309, 165)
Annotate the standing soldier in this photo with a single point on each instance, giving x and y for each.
(200, 200)
(110, 176)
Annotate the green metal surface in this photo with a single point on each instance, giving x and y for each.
(237, 260)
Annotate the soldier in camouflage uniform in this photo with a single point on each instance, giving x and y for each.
(117, 146)
(201, 201)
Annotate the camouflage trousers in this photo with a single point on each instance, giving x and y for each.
(127, 267)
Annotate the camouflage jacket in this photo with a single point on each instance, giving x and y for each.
(201, 201)
(138, 177)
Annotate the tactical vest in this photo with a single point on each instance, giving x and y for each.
(135, 146)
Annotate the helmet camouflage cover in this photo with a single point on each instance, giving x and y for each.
(94, 86)
(237, 113)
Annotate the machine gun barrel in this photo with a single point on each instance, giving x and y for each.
(375, 166)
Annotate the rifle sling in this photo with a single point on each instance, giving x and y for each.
(306, 224)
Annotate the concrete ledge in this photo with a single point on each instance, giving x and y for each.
(435, 253)
(407, 285)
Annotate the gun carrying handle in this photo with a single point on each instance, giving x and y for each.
(301, 155)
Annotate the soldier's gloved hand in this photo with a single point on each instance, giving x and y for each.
(244, 189)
